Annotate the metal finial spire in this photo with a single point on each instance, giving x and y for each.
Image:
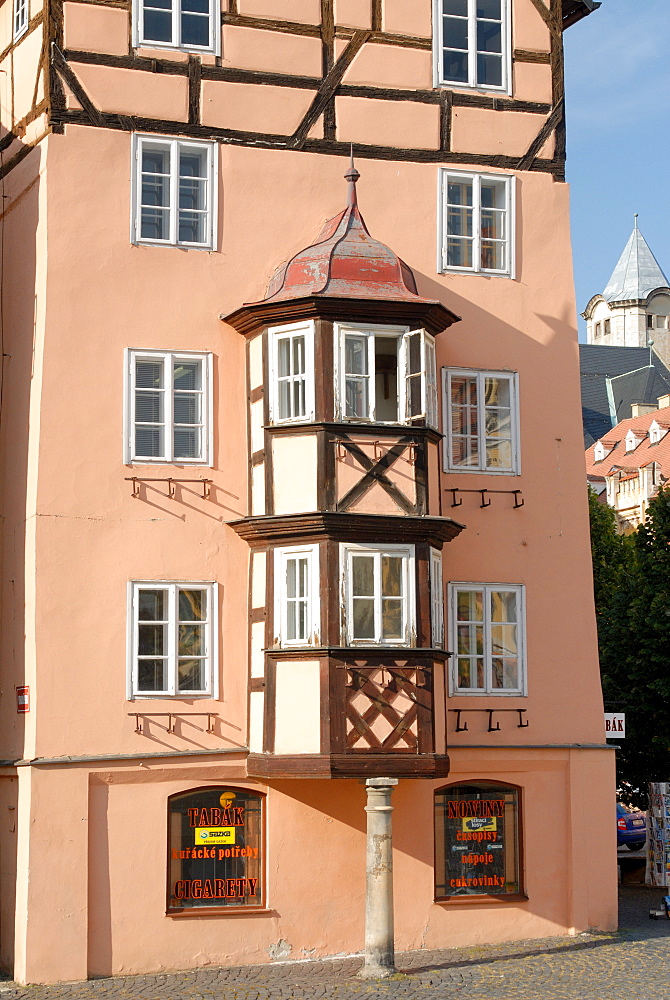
(351, 177)
(635, 217)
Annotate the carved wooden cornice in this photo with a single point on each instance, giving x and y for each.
(433, 316)
(346, 527)
(348, 765)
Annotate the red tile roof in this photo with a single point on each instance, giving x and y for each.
(644, 454)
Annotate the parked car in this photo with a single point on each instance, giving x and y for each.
(631, 827)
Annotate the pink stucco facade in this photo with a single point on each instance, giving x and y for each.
(84, 794)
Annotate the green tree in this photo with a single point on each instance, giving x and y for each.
(632, 592)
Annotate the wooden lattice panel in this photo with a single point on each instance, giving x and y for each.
(381, 712)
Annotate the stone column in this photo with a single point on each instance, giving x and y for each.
(379, 948)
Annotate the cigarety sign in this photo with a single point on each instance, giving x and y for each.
(22, 700)
(615, 725)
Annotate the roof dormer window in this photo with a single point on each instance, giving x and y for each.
(602, 449)
(657, 432)
(633, 439)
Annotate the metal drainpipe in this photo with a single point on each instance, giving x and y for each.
(379, 945)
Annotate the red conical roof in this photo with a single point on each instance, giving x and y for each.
(345, 274)
(345, 262)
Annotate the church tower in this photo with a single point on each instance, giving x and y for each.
(634, 309)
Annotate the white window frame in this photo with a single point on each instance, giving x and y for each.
(513, 379)
(509, 181)
(407, 553)
(139, 39)
(313, 610)
(436, 600)
(438, 47)
(172, 588)
(168, 359)
(19, 18)
(427, 373)
(139, 141)
(275, 335)
(488, 691)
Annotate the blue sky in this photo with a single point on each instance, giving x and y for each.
(617, 64)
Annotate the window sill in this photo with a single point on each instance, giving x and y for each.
(487, 694)
(176, 463)
(142, 47)
(182, 697)
(518, 897)
(219, 911)
(475, 274)
(458, 470)
(473, 88)
(207, 248)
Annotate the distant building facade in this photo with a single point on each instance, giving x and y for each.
(634, 309)
(613, 380)
(629, 463)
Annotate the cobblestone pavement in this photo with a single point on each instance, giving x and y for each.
(632, 964)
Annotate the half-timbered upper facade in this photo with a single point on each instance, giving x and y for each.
(450, 82)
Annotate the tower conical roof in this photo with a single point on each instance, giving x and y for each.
(637, 272)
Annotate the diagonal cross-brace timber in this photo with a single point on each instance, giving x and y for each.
(329, 85)
(375, 472)
(69, 78)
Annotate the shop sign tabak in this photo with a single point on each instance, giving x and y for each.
(214, 852)
(615, 725)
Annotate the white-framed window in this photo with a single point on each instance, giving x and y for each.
(168, 407)
(297, 612)
(385, 375)
(291, 372)
(472, 44)
(436, 600)
(172, 639)
(174, 192)
(378, 592)
(19, 18)
(488, 638)
(481, 416)
(477, 223)
(190, 25)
